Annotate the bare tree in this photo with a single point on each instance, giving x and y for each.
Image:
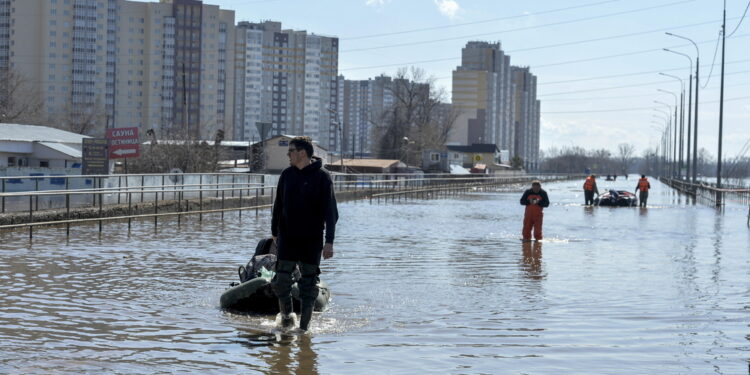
(177, 149)
(625, 156)
(87, 119)
(418, 119)
(19, 102)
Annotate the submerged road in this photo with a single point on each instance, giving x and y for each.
(419, 286)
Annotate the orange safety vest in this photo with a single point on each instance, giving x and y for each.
(589, 184)
(643, 184)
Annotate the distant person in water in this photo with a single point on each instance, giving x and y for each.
(589, 189)
(643, 186)
(535, 199)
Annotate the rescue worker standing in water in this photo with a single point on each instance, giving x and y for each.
(589, 188)
(535, 199)
(643, 186)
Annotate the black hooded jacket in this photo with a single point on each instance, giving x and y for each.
(305, 203)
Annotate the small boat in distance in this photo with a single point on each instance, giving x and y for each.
(617, 198)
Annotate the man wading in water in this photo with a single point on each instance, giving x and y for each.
(305, 204)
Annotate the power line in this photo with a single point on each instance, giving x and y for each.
(478, 22)
(632, 108)
(713, 61)
(625, 86)
(520, 28)
(551, 46)
(740, 23)
(627, 74)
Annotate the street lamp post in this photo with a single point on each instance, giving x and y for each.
(674, 148)
(695, 117)
(337, 125)
(668, 121)
(721, 106)
(690, 107)
(682, 121)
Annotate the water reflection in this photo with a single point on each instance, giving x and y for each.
(282, 353)
(532, 259)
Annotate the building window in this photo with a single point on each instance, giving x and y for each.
(43, 164)
(434, 156)
(11, 161)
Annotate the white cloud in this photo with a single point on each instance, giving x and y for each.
(448, 8)
(375, 3)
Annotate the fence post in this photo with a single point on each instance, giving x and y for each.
(130, 208)
(36, 189)
(31, 216)
(67, 214)
(222, 204)
(143, 181)
(100, 205)
(156, 205)
(240, 203)
(3, 211)
(200, 199)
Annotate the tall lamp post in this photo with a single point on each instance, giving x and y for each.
(668, 121)
(682, 121)
(674, 148)
(695, 117)
(690, 107)
(337, 126)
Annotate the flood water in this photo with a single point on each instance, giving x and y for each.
(419, 286)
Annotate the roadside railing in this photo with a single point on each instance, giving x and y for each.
(131, 197)
(708, 193)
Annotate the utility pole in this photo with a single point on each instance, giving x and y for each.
(721, 105)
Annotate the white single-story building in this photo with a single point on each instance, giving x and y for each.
(33, 146)
(274, 152)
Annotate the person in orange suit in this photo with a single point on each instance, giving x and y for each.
(643, 186)
(589, 188)
(535, 199)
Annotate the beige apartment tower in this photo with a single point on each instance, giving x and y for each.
(164, 66)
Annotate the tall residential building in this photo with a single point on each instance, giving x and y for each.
(482, 96)
(526, 117)
(287, 78)
(361, 106)
(165, 66)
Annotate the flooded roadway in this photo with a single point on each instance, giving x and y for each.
(441, 286)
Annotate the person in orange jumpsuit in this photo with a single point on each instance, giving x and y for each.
(643, 186)
(589, 188)
(535, 199)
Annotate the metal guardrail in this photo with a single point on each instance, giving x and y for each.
(179, 197)
(708, 193)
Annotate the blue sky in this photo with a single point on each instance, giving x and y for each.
(594, 93)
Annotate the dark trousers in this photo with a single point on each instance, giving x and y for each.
(643, 198)
(308, 284)
(589, 196)
(293, 251)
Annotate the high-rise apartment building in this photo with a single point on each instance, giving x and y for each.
(287, 78)
(526, 117)
(482, 95)
(361, 106)
(165, 66)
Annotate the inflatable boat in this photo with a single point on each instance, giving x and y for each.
(254, 293)
(616, 198)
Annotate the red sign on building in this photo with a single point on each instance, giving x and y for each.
(123, 143)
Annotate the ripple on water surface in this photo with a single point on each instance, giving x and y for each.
(419, 285)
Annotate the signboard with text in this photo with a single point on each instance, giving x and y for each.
(123, 143)
(95, 156)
